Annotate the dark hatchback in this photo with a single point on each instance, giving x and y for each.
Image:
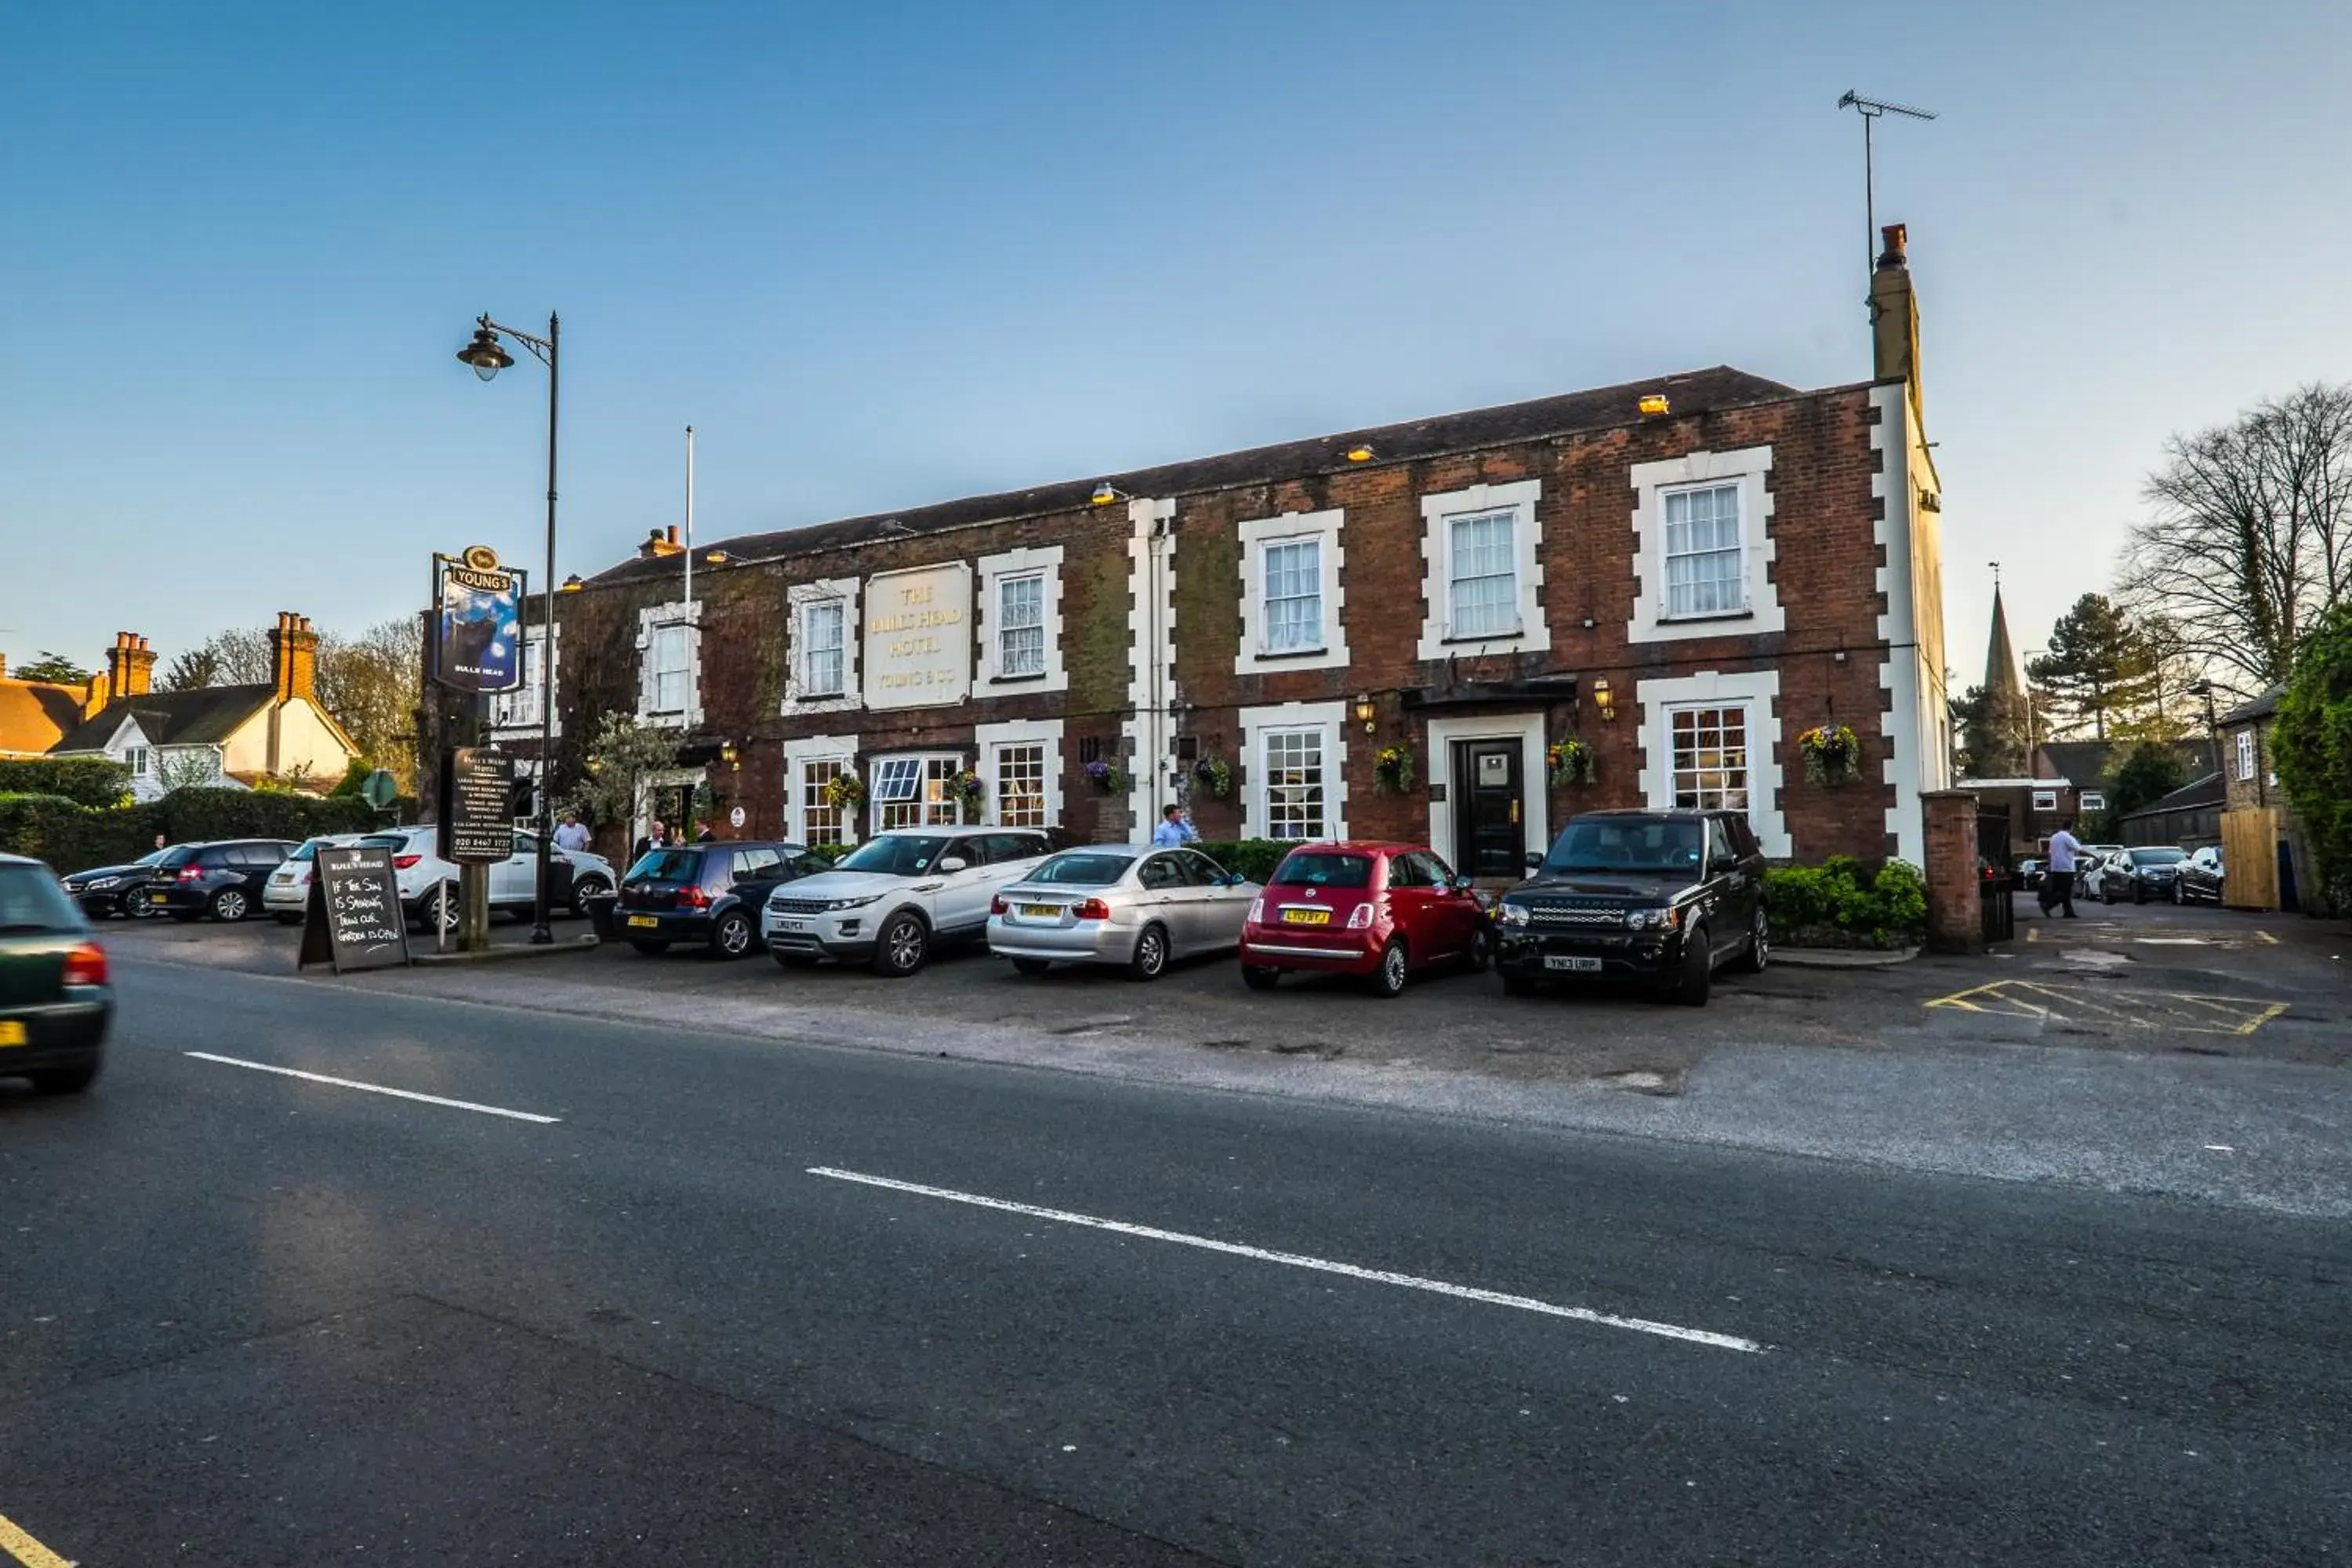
(1668, 895)
(55, 1005)
(104, 891)
(2142, 874)
(710, 893)
(221, 880)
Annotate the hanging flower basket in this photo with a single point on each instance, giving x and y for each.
(1571, 760)
(1214, 774)
(1832, 755)
(966, 790)
(1392, 771)
(845, 792)
(1106, 776)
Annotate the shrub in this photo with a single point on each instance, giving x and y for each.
(1253, 859)
(91, 781)
(2312, 748)
(1838, 903)
(72, 837)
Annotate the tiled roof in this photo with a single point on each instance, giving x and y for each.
(2206, 791)
(33, 713)
(1690, 392)
(2091, 764)
(203, 717)
(2262, 707)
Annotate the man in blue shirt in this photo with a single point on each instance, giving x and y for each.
(1172, 830)
(2058, 884)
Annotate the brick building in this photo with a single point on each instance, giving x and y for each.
(1685, 574)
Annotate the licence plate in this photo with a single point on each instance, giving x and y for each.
(792, 925)
(1042, 912)
(158, 897)
(1574, 962)
(646, 920)
(12, 1032)
(1306, 917)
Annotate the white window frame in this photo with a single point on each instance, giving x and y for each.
(1759, 692)
(816, 618)
(140, 758)
(1676, 711)
(1747, 468)
(992, 740)
(799, 599)
(2094, 800)
(1044, 563)
(931, 768)
(2047, 800)
(1259, 534)
(1439, 512)
(800, 756)
(651, 623)
(1011, 665)
(2246, 761)
(1330, 719)
(516, 713)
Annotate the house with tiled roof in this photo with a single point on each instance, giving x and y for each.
(218, 735)
(35, 715)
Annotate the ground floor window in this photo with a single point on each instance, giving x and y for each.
(1293, 768)
(822, 822)
(1710, 757)
(912, 792)
(1020, 784)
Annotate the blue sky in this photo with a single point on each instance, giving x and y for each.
(886, 254)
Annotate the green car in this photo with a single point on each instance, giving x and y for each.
(55, 1004)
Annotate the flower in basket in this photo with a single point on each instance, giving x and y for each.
(1392, 770)
(1832, 753)
(845, 792)
(1105, 775)
(966, 790)
(1571, 760)
(1214, 774)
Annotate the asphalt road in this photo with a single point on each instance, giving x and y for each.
(253, 1319)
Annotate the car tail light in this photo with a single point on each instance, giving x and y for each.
(1093, 910)
(692, 897)
(190, 874)
(404, 862)
(1361, 917)
(86, 965)
(996, 905)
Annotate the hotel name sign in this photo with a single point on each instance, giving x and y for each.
(919, 637)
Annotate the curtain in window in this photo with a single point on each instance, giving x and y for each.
(1294, 595)
(1021, 625)
(1705, 571)
(1485, 586)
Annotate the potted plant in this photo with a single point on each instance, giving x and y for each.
(1832, 755)
(1106, 776)
(1571, 760)
(1393, 771)
(1214, 774)
(845, 792)
(966, 790)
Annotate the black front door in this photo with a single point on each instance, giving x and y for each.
(1490, 832)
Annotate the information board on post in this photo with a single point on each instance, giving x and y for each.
(477, 806)
(354, 919)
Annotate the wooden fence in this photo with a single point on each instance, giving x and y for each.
(2250, 859)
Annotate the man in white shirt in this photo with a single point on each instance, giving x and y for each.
(572, 834)
(2058, 885)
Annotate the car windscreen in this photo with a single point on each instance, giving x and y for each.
(31, 901)
(910, 856)
(667, 866)
(1081, 868)
(1324, 869)
(2157, 856)
(1631, 844)
(310, 847)
(152, 858)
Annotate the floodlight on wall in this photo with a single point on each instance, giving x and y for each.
(1361, 453)
(573, 583)
(1105, 494)
(1604, 701)
(1653, 404)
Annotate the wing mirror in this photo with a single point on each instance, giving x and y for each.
(1464, 884)
(953, 863)
(1535, 861)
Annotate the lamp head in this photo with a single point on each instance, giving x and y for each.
(485, 353)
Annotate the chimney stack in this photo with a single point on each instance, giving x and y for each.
(659, 543)
(142, 668)
(293, 658)
(1895, 316)
(130, 668)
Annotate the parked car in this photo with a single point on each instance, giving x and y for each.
(428, 884)
(54, 1003)
(2091, 868)
(223, 879)
(2201, 876)
(1126, 904)
(104, 891)
(287, 894)
(1668, 896)
(2141, 874)
(2029, 874)
(1379, 910)
(894, 900)
(711, 892)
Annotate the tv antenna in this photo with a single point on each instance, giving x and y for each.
(1870, 108)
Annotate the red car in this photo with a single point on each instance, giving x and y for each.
(1381, 910)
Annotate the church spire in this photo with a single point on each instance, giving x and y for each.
(2001, 654)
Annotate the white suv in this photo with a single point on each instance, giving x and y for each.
(894, 898)
(287, 894)
(428, 884)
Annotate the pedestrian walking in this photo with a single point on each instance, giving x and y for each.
(1173, 830)
(2058, 883)
(573, 834)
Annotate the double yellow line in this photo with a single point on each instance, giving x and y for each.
(25, 1548)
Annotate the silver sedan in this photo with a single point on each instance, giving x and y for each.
(1127, 904)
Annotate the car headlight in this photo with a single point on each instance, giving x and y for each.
(103, 882)
(1512, 914)
(852, 903)
(1653, 920)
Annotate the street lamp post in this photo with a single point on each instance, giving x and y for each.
(488, 357)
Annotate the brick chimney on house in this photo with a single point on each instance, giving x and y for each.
(130, 668)
(1894, 315)
(294, 657)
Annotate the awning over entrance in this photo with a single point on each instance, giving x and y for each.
(1559, 687)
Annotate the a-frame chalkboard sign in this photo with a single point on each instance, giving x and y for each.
(354, 919)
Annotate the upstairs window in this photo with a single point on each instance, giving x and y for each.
(1294, 596)
(822, 625)
(138, 757)
(1483, 589)
(1706, 565)
(1020, 625)
(671, 654)
(2245, 755)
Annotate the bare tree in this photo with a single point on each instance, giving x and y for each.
(370, 683)
(2252, 534)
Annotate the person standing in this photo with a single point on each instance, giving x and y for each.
(1173, 830)
(573, 834)
(2058, 886)
(649, 842)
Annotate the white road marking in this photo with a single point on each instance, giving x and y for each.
(1294, 1260)
(378, 1089)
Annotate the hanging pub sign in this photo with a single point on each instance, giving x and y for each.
(476, 622)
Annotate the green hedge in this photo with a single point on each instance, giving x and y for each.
(91, 781)
(1839, 903)
(1253, 859)
(72, 837)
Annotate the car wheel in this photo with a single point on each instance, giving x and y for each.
(1389, 979)
(902, 947)
(1150, 960)
(439, 907)
(68, 1080)
(1032, 967)
(1482, 949)
(585, 888)
(286, 918)
(229, 904)
(1758, 952)
(134, 909)
(1697, 977)
(1519, 985)
(648, 945)
(1259, 978)
(732, 937)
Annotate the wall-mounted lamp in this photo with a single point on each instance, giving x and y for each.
(1653, 404)
(1105, 494)
(1360, 454)
(1604, 699)
(727, 755)
(573, 584)
(716, 558)
(1365, 710)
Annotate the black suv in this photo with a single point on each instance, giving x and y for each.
(1666, 895)
(706, 892)
(222, 880)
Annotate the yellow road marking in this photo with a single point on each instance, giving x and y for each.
(2266, 936)
(2186, 1012)
(25, 1548)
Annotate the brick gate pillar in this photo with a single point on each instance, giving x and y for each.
(1955, 903)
